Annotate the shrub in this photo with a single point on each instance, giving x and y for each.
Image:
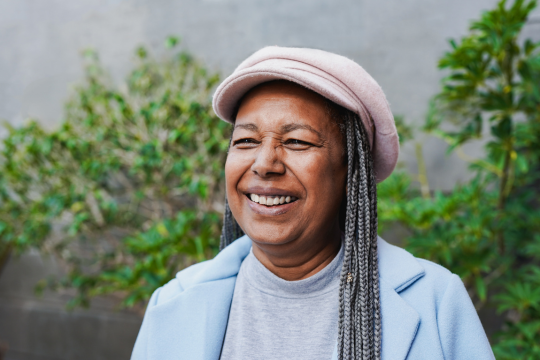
(486, 230)
(129, 190)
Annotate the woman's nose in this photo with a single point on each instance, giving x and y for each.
(268, 161)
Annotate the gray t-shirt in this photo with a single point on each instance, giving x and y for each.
(272, 318)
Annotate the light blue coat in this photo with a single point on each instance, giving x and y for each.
(426, 311)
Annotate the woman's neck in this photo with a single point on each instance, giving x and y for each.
(301, 258)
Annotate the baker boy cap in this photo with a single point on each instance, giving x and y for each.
(335, 77)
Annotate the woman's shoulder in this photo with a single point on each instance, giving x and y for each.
(446, 315)
(401, 269)
(411, 276)
(436, 284)
(225, 265)
(177, 285)
(432, 290)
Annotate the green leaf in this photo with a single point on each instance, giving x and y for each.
(481, 288)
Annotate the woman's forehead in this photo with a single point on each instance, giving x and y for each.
(282, 103)
(282, 89)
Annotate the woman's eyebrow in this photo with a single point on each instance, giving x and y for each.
(287, 128)
(249, 127)
(291, 127)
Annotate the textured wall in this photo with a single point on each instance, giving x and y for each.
(398, 42)
(41, 329)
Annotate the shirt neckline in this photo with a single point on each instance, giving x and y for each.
(262, 279)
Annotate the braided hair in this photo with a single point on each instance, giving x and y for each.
(359, 326)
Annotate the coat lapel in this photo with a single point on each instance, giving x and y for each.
(399, 323)
(191, 326)
(398, 270)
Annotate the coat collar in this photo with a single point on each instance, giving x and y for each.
(192, 324)
(397, 267)
(226, 264)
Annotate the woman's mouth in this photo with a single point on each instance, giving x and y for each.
(269, 200)
(271, 204)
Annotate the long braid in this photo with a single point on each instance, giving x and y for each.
(377, 331)
(360, 331)
(359, 319)
(344, 295)
(367, 333)
(363, 264)
(231, 230)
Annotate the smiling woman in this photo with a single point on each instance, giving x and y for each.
(302, 273)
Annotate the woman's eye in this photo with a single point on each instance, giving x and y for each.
(297, 143)
(245, 141)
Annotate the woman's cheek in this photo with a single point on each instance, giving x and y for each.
(235, 166)
(311, 166)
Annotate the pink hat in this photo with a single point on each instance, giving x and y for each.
(333, 76)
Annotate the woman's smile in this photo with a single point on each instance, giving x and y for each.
(270, 202)
(271, 210)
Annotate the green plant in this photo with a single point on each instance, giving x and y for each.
(486, 230)
(129, 190)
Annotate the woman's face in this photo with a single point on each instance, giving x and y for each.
(285, 170)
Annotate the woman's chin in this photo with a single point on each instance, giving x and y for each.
(271, 235)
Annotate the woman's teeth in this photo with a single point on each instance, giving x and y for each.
(271, 200)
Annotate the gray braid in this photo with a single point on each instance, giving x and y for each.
(231, 230)
(360, 331)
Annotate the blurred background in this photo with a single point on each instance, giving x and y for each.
(108, 186)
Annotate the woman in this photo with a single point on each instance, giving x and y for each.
(310, 279)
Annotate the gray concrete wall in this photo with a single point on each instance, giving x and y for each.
(398, 42)
(40, 328)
